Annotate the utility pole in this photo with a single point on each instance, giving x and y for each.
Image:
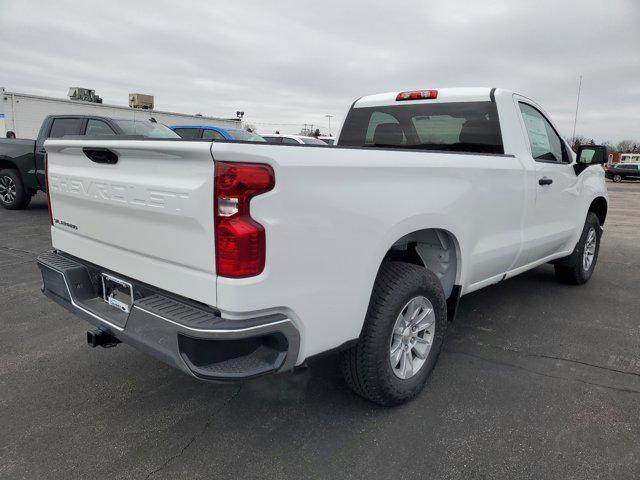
(329, 117)
(575, 118)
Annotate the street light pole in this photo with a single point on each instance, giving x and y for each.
(329, 117)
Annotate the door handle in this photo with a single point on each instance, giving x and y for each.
(545, 181)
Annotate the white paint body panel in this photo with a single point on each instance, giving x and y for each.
(329, 221)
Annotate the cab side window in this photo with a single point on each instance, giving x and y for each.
(98, 128)
(188, 132)
(213, 135)
(546, 145)
(289, 141)
(65, 126)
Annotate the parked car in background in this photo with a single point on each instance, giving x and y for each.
(233, 260)
(293, 139)
(328, 140)
(22, 162)
(216, 133)
(623, 171)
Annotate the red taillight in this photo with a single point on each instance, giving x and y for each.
(46, 183)
(240, 240)
(417, 95)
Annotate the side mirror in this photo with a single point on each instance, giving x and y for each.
(592, 154)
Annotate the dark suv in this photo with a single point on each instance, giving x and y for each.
(623, 171)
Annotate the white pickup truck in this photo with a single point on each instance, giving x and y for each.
(230, 260)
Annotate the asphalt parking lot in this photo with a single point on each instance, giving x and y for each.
(537, 380)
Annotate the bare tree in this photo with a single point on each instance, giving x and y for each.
(628, 146)
(578, 140)
(250, 128)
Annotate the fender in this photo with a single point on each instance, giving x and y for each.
(24, 165)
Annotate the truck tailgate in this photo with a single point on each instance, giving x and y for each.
(148, 216)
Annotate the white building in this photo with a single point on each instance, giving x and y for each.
(23, 114)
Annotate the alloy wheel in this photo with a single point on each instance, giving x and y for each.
(412, 337)
(589, 249)
(7, 189)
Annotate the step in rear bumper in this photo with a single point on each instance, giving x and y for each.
(179, 332)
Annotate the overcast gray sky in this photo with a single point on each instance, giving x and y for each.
(294, 62)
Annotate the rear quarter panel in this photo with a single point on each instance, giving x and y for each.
(335, 212)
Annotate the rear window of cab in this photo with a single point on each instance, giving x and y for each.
(456, 127)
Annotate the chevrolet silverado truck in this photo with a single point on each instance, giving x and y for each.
(22, 160)
(229, 260)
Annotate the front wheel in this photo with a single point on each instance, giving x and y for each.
(13, 195)
(402, 335)
(579, 266)
(617, 178)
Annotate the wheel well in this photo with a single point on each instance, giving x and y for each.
(7, 164)
(432, 248)
(599, 207)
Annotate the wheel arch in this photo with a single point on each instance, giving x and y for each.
(436, 249)
(7, 164)
(599, 206)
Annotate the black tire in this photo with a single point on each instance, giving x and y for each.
(366, 366)
(572, 270)
(13, 195)
(617, 178)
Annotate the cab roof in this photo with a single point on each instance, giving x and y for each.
(444, 95)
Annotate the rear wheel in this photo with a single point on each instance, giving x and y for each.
(401, 338)
(579, 266)
(617, 178)
(13, 195)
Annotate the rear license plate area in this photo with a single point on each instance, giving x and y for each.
(117, 293)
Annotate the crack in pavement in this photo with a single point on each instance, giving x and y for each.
(193, 438)
(11, 249)
(613, 262)
(624, 372)
(548, 375)
(17, 263)
(553, 357)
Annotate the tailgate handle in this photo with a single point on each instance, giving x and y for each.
(101, 155)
